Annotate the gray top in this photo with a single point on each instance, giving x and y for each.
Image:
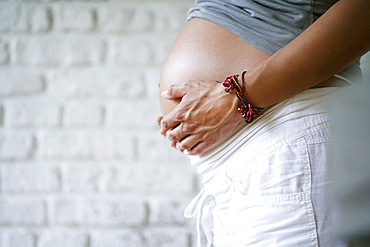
(267, 25)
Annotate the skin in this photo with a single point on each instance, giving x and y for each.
(198, 113)
(203, 55)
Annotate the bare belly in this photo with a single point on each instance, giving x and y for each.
(206, 51)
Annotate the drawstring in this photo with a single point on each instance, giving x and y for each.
(203, 213)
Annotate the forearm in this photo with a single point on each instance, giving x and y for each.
(334, 41)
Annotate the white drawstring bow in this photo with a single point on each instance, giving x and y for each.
(201, 208)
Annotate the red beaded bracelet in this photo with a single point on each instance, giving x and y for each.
(231, 84)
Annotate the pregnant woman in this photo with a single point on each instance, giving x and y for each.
(261, 139)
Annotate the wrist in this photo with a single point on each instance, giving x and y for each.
(232, 84)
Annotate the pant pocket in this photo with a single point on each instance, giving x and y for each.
(286, 221)
(282, 169)
(271, 203)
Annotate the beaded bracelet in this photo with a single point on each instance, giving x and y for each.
(231, 84)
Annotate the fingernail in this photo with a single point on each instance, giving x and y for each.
(186, 152)
(165, 94)
(178, 145)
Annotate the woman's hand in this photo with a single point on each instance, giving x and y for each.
(163, 131)
(205, 116)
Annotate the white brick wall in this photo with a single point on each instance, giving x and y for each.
(82, 163)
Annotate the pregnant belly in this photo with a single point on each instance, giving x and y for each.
(208, 52)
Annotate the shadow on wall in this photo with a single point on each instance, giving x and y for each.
(351, 160)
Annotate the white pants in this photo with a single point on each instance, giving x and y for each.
(266, 185)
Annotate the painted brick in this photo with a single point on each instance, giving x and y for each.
(10, 15)
(32, 112)
(100, 83)
(114, 212)
(82, 177)
(116, 238)
(66, 211)
(87, 145)
(4, 51)
(63, 238)
(37, 18)
(161, 45)
(169, 17)
(151, 178)
(73, 17)
(167, 212)
(53, 50)
(140, 50)
(22, 211)
(16, 145)
(145, 111)
(83, 114)
(124, 18)
(132, 50)
(152, 79)
(17, 18)
(34, 178)
(166, 238)
(146, 152)
(14, 82)
(1, 115)
(82, 161)
(16, 238)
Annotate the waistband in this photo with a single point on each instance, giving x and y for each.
(298, 106)
(209, 164)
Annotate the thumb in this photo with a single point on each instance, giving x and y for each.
(174, 91)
